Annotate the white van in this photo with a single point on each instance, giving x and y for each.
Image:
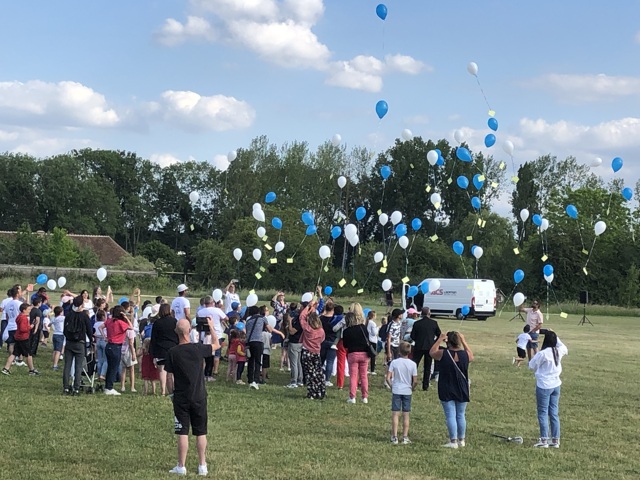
(454, 293)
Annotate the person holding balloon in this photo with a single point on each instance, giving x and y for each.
(535, 319)
(230, 295)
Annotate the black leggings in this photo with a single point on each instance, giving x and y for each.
(208, 366)
(255, 361)
(239, 370)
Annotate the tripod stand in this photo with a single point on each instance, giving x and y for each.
(584, 318)
(518, 314)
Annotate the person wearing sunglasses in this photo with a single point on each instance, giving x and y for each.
(535, 319)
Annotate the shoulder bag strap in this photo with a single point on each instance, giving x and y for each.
(456, 365)
(252, 328)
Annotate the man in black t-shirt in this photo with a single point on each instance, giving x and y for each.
(186, 362)
(424, 334)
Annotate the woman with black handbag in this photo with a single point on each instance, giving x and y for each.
(453, 384)
(255, 324)
(356, 340)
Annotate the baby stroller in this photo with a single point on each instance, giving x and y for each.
(89, 382)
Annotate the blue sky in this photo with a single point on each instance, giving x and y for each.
(179, 79)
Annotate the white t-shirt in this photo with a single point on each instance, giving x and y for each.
(544, 366)
(45, 323)
(96, 327)
(266, 340)
(179, 305)
(146, 312)
(372, 330)
(229, 298)
(403, 372)
(217, 316)
(88, 307)
(3, 306)
(13, 310)
(523, 339)
(58, 325)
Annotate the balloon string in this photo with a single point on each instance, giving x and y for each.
(464, 267)
(392, 251)
(296, 252)
(609, 204)
(406, 263)
(483, 94)
(589, 256)
(369, 276)
(580, 233)
(476, 268)
(412, 242)
(320, 273)
(384, 184)
(508, 296)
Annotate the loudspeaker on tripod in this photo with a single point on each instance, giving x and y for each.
(584, 297)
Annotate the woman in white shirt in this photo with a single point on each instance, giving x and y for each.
(547, 367)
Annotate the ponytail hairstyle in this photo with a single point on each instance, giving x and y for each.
(551, 341)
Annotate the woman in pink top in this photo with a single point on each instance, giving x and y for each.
(312, 338)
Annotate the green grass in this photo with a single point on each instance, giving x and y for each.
(274, 433)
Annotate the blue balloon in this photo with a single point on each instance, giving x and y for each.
(463, 182)
(360, 213)
(42, 279)
(489, 140)
(401, 230)
(328, 290)
(473, 248)
(336, 232)
(440, 161)
(465, 310)
(537, 220)
(270, 197)
(477, 182)
(416, 224)
(547, 269)
(493, 124)
(381, 11)
(572, 211)
(385, 172)
(476, 203)
(627, 193)
(616, 164)
(518, 276)
(240, 325)
(311, 230)
(381, 109)
(463, 154)
(412, 292)
(276, 223)
(424, 287)
(366, 312)
(307, 218)
(458, 247)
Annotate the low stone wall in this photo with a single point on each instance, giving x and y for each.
(55, 272)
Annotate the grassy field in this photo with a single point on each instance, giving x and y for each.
(274, 433)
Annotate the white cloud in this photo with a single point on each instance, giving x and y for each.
(172, 32)
(34, 143)
(404, 64)
(194, 112)
(164, 159)
(305, 11)
(62, 104)
(587, 88)
(221, 162)
(253, 9)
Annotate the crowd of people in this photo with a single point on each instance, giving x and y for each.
(179, 349)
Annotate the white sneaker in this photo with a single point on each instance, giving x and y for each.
(202, 470)
(20, 364)
(301, 384)
(462, 443)
(542, 443)
(254, 385)
(513, 360)
(328, 384)
(334, 347)
(365, 400)
(450, 445)
(373, 373)
(291, 385)
(178, 470)
(115, 392)
(351, 400)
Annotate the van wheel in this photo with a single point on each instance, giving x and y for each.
(459, 315)
(482, 319)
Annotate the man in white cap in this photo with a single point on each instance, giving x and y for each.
(180, 307)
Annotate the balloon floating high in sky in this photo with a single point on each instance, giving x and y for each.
(381, 109)
(381, 11)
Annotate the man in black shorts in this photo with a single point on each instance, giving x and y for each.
(186, 362)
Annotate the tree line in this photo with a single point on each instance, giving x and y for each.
(147, 210)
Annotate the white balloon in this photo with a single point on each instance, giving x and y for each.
(324, 252)
(458, 135)
(396, 217)
(434, 285)
(237, 254)
(544, 225)
(436, 199)
(478, 252)
(336, 140)
(403, 241)
(518, 299)
(232, 155)
(258, 215)
(252, 300)
(342, 181)
(271, 320)
(194, 197)
(549, 278)
(354, 240)
(472, 68)
(217, 295)
(261, 231)
(378, 257)
(596, 162)
(307, 297)
(62, 282)
(599, 228)
(257, 206)
(51, 284)
(383, 219)
(257, 254)
(350, 230)
(407, 134)
(386, 285)
(101, 274)
(524, 214)
(432, 157)
(508, 147)
(279, 247)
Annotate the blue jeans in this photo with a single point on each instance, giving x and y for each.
(547, 400)
(328, 356)
(113, 353)
(101, 360)
(454, 416)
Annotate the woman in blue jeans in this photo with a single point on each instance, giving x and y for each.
(547, 367)
(453, 384)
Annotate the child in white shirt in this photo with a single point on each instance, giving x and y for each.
(403, 377)
(522, 341)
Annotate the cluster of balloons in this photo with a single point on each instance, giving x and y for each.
(434, 157)
(309, 221)
(537, 219)
(351, 234)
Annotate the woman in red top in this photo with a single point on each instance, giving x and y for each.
(312, 338)
(116, 327)
(22, 345)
